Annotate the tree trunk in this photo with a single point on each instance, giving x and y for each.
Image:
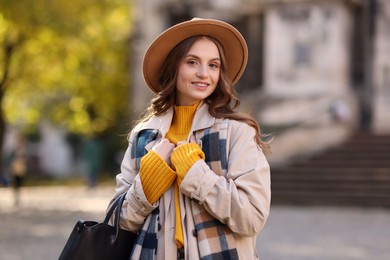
(8, 49)
(2, 130)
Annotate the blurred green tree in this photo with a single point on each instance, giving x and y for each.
(65, 61)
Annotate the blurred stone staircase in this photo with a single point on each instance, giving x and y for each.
(356, 173)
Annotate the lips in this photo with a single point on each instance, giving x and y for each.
(200, 85)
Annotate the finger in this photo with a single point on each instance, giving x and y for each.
(192, 139)
(181, 142)
(164, 143)
(164, 140)
(168, 144)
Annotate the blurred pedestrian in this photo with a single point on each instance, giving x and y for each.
(197, 180)
(92, 153)
(17, 166)
(3, 179)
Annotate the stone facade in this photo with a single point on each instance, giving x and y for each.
(309, 102)
(381, 69)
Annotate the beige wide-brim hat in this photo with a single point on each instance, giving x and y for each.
(233, 43)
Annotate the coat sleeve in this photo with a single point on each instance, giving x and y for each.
(136, 207)
(241, 199)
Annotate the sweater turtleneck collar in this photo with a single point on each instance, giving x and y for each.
(182, 118)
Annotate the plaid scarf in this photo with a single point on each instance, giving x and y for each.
(145, 246)
(215, 239)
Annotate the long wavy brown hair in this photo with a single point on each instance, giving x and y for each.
(222, 103)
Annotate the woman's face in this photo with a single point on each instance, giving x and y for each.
(198, 73)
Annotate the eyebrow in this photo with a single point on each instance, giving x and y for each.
(197, 57)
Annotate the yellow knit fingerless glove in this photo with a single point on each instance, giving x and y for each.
(183, 157)
(156, 176)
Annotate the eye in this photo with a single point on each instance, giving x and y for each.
(192, 62)
(214, 65)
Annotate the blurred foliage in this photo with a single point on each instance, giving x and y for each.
(68, 62)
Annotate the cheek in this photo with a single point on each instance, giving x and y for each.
(183, 75)
(180, 79)
(181, 84)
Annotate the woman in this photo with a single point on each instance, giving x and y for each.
(197, 181)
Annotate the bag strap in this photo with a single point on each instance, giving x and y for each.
(111, 210)
(116, 206)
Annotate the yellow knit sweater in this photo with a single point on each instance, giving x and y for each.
(182, 159)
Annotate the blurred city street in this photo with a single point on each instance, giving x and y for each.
(317, 79)
(39, 227)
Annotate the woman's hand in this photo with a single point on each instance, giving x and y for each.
(155, 172)
(164, 149)
(192, 140)
(184, 156)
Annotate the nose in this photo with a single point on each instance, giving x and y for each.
(202, 71)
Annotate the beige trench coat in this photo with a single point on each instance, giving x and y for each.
(241, 199)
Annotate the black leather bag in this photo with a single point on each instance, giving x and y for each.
(90, 240)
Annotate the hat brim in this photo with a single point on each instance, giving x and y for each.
(232, 41)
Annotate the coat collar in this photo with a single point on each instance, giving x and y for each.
(202, 120)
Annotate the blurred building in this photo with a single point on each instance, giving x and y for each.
(318, 71)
